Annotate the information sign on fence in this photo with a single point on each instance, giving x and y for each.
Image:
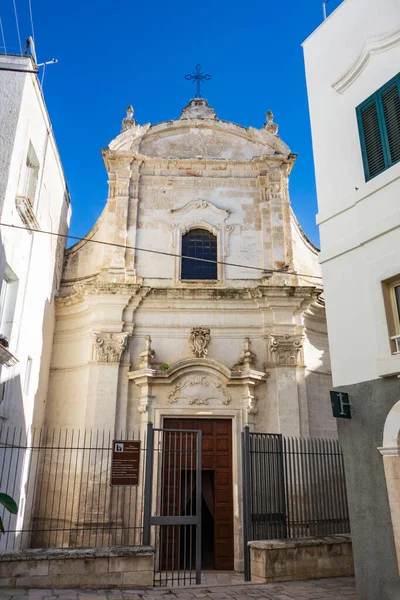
(125, 462)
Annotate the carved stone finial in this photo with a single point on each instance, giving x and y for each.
(128, 121)
(199, 339)
(147, 356)
(247, 357)
(284, 350)
(108, 347)
(270, 126)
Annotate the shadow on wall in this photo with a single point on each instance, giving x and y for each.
(319, 381)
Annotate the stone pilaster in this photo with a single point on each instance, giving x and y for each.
(285, 364)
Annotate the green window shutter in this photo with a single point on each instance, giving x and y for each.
(391, 109)
(371, 139)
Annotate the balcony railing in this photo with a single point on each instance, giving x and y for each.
(396, 339)
(25, 211)
(6, 357)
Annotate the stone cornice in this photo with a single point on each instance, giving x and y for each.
(78, 292)
(255, 163)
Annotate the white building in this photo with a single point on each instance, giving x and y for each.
(152, 337)
(33, 194)
(352, 67)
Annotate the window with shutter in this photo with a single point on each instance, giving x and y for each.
(379, 127)
(391, 110)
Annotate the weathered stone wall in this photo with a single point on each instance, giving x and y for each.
(303, 558)
(82, 568)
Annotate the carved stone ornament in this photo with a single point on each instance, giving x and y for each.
(108, 347)
(251, 406)
(199, 339)
(147, 356)
(270, 126)
(128, 121)
(247, 358)
(284, 349)
(205, 389)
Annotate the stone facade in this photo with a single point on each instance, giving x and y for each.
(136, 343)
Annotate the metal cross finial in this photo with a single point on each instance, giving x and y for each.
(197, 76)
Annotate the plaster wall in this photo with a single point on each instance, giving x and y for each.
(375, 561)
(34, 259)
(350, 56)
(11, 86)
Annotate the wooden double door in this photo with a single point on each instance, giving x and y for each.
(217, 490)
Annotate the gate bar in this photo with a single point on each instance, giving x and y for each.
(246, 501)
(148, 485)
(198, 508)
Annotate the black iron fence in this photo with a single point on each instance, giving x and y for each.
(292, 487)
(61, 482)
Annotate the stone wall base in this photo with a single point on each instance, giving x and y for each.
(302, 558)
(80, 568)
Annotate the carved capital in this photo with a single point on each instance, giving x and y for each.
(108, 346)
(199, 339)
(284, 350)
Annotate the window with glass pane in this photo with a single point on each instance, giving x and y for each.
(396, 294)
(379, 127)
(199, 243)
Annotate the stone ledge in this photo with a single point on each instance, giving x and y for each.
(300, 542)
(71, 553)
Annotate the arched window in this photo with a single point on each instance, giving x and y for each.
(199, 243)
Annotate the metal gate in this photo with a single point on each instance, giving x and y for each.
(172, 504)
(292, 487)
(264, 503)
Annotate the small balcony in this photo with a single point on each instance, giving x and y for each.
(6, 357)
(25, 211)
(396, 340)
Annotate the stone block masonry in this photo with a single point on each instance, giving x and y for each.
(301, 559)
(81, 568)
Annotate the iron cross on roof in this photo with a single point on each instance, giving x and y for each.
(197, 76)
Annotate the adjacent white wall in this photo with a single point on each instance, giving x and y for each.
(349, 57)
(35, 259)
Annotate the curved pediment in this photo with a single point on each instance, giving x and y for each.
(199, 138)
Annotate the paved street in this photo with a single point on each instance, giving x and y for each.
(322, 589)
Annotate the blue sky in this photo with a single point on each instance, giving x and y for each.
(112, 54)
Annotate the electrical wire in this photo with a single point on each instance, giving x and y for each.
(17, 24)
(2, 35)
(160, 252)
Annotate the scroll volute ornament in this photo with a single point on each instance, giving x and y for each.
(199, 339)
(285, 349)
(109, 346)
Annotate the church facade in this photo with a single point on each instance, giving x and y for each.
(222, 324)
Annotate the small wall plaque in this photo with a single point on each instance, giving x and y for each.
(340, 405)
(125, 463)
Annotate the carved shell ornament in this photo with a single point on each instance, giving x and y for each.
(199, 339)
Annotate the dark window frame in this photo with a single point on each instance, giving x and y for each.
(376, 100)
(199, 242)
